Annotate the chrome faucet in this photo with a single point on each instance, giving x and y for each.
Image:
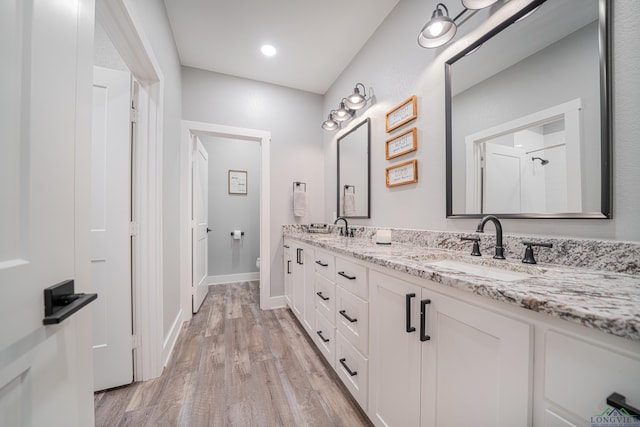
(346, 226)
(496, 222)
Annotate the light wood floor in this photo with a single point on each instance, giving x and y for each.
(236, 365)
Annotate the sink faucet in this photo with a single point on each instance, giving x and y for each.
(480, 229)
(346, 225)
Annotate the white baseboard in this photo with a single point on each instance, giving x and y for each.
(275, 302)
(170, 341)
(233, 278)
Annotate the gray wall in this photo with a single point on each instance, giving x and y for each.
(153, 17)
(292, 116)
(396, 67)
(229, 212)
(550, 77)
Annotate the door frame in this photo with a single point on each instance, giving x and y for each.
(189, 130)
(125, 31)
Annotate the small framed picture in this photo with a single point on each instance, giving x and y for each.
(401, 144)
(402, 173)
(237, 182)
(402, 114)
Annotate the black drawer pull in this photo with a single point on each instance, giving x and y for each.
(322, 296)
(423, 319)
(618, 401)
(342, 273)
(346, 316)
(408, 310)
(286, 246)
(321, 337)
(322, 264)
(352, 373)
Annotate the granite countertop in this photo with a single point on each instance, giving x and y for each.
(602, 300)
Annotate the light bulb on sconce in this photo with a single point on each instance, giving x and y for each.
(330, 124)
(343, 113)
(356, 100)
(440, 29)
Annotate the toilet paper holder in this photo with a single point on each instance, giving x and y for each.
(241, 233)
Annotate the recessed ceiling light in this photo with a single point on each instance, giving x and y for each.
(268, 50)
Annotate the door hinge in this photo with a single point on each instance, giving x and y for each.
(134, 229)
(135, 341)
(133, 115)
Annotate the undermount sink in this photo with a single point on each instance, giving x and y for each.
(485, 268)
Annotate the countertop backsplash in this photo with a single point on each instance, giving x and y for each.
(600, 255)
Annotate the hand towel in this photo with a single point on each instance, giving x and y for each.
(299, 203)
(349, 204)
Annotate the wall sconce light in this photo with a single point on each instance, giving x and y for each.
(347, 108)
(441, 28)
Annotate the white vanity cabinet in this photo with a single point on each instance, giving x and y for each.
(288, 271)
(325, 304)
(302, 284)
(473, 369)
(578, 373)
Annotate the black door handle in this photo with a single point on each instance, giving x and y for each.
(618, 401)
(342, 273)
(322, 296)
(346, 316)
(343, 363)
(321, 337)
(408, 310)
(423, 319)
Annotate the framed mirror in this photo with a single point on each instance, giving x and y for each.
(354, 172)
(528, 116)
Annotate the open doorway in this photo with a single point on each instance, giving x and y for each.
(191, 130)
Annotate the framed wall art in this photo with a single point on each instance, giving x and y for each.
(402, 173)
(401, 144)
(237, 182)
(402, 114)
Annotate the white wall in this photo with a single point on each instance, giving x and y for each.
(153, 17)
(228, 212)
(293, 117)
(396, 67)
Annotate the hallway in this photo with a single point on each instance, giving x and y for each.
(235, 365)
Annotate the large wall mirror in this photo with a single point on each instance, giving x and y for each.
(353, 172)
(528, 116)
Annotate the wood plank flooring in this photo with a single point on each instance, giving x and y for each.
(236, 365)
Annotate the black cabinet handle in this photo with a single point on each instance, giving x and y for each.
(618, 401)
(343, 363)
(346, 316)
(322, 264)
(342, 273)
(289, 266)
(322, 296)
(408, 310)
(321, 337)
(286, 246)
(423, 319)
(299, 256)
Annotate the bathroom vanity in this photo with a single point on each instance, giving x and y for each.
(423, 335)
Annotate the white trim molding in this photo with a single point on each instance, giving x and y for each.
(189, 130)
(224, 279)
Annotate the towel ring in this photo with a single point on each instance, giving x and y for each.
(298, 184)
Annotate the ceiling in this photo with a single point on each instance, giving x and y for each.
(315, 39)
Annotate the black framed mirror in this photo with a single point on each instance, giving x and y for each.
(354, 197)
(528, 116)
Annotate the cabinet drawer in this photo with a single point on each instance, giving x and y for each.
(352, 319)
(325, 265)
(352, 277)
(325, 338)
(579, 375)
(325, 295)
(353, 369)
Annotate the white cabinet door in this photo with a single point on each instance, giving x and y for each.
(309, 314)
(298, 282)
(476, 366)
(395, 356)
(288, 273)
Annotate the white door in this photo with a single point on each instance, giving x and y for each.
(502, 187)
(45, 78)
(110, 234)
(201, 223)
